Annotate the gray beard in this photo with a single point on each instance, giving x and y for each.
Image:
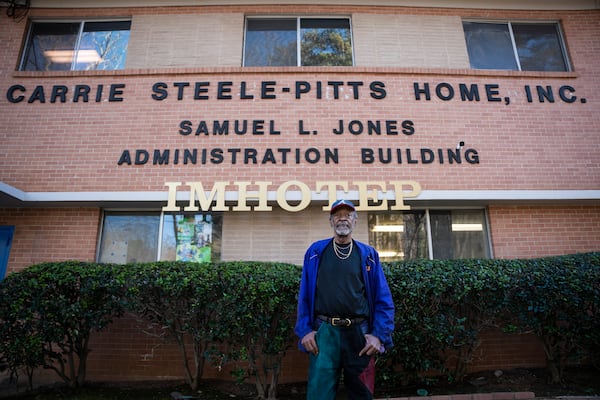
(343, 230)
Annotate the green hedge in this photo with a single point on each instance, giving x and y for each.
(237, 311)
(48, 311)
(241, 314)
(442, 307)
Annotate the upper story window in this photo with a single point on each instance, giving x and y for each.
(298, 42)
(515, 46)
(76, 46)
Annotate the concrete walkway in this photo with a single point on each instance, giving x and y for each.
(493, 396)
(473, 396)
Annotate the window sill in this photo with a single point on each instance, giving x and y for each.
(299, 70)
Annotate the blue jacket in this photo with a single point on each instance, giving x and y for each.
(379, 297)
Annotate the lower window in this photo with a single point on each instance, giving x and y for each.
(191, 237)
(434, 234)
(144, 237)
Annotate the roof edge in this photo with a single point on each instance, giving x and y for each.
(485, 4)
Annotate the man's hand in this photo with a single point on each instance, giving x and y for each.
(372, 346)
(309, 343)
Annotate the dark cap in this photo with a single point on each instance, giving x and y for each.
(341, 203)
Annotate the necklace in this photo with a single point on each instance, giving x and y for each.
(342, 252)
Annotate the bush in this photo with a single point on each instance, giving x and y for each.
(182, 300)
(242, 313)
(441, 309)
(231, 311)
(260, 299)
(558, 298)
(443, 306)
(49, 311)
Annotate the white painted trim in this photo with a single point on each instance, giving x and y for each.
(485, 4)
(11, 191)
(57, 198)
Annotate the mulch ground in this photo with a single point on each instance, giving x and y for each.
(579, 382)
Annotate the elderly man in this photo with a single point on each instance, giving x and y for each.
(345, 310)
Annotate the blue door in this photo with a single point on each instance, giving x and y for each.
(6, 235)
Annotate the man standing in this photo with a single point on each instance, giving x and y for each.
(345, 310)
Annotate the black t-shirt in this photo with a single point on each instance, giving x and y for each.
(340, 286)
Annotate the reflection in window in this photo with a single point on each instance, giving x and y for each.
(400, 236)
(512, 46)
(459, 234)
(129, 238)
(191, 237)
(297, 42)
(270, 42)
(539, 47)
(325, 42)
(453, 234)
(64, 46)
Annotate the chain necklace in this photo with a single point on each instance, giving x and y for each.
(342, 252)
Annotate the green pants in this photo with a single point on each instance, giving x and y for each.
(338, 352)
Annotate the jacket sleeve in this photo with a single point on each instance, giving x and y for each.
(383, 305)
(305, 301)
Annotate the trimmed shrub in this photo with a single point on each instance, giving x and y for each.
(49, 311)
(241, 314)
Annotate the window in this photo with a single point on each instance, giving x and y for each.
(515, 46)
(191, 237)
(401, 236)
(298, 42)
(144, 237)
(458, 234)
(79, 46)
(439, 234)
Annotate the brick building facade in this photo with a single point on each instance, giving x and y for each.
(115, 162)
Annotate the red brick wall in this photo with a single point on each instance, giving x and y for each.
(536, 231)
(150, 357)
(75, 146)
(47, 234)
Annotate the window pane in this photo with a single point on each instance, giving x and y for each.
(489, 46)
(103, 46)
(399, 236)
(191, 237)
(539, 47)
(270, 42)
(50, 46)
(459, 234)
(129, 238)
(326, 42)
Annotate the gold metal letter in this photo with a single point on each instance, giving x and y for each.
(304, 201)
(218, 190)
(172, 199)
(365, 195)
(243, 195)
(401, 194)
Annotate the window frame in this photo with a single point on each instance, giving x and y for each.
(428, 228)
(76, 49)
(151, 212)
(298, 19)
(559, 31)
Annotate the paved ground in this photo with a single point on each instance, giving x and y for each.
(495, 396)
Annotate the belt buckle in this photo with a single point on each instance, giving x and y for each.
(336, 321)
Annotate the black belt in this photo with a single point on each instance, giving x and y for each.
(340, 321)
